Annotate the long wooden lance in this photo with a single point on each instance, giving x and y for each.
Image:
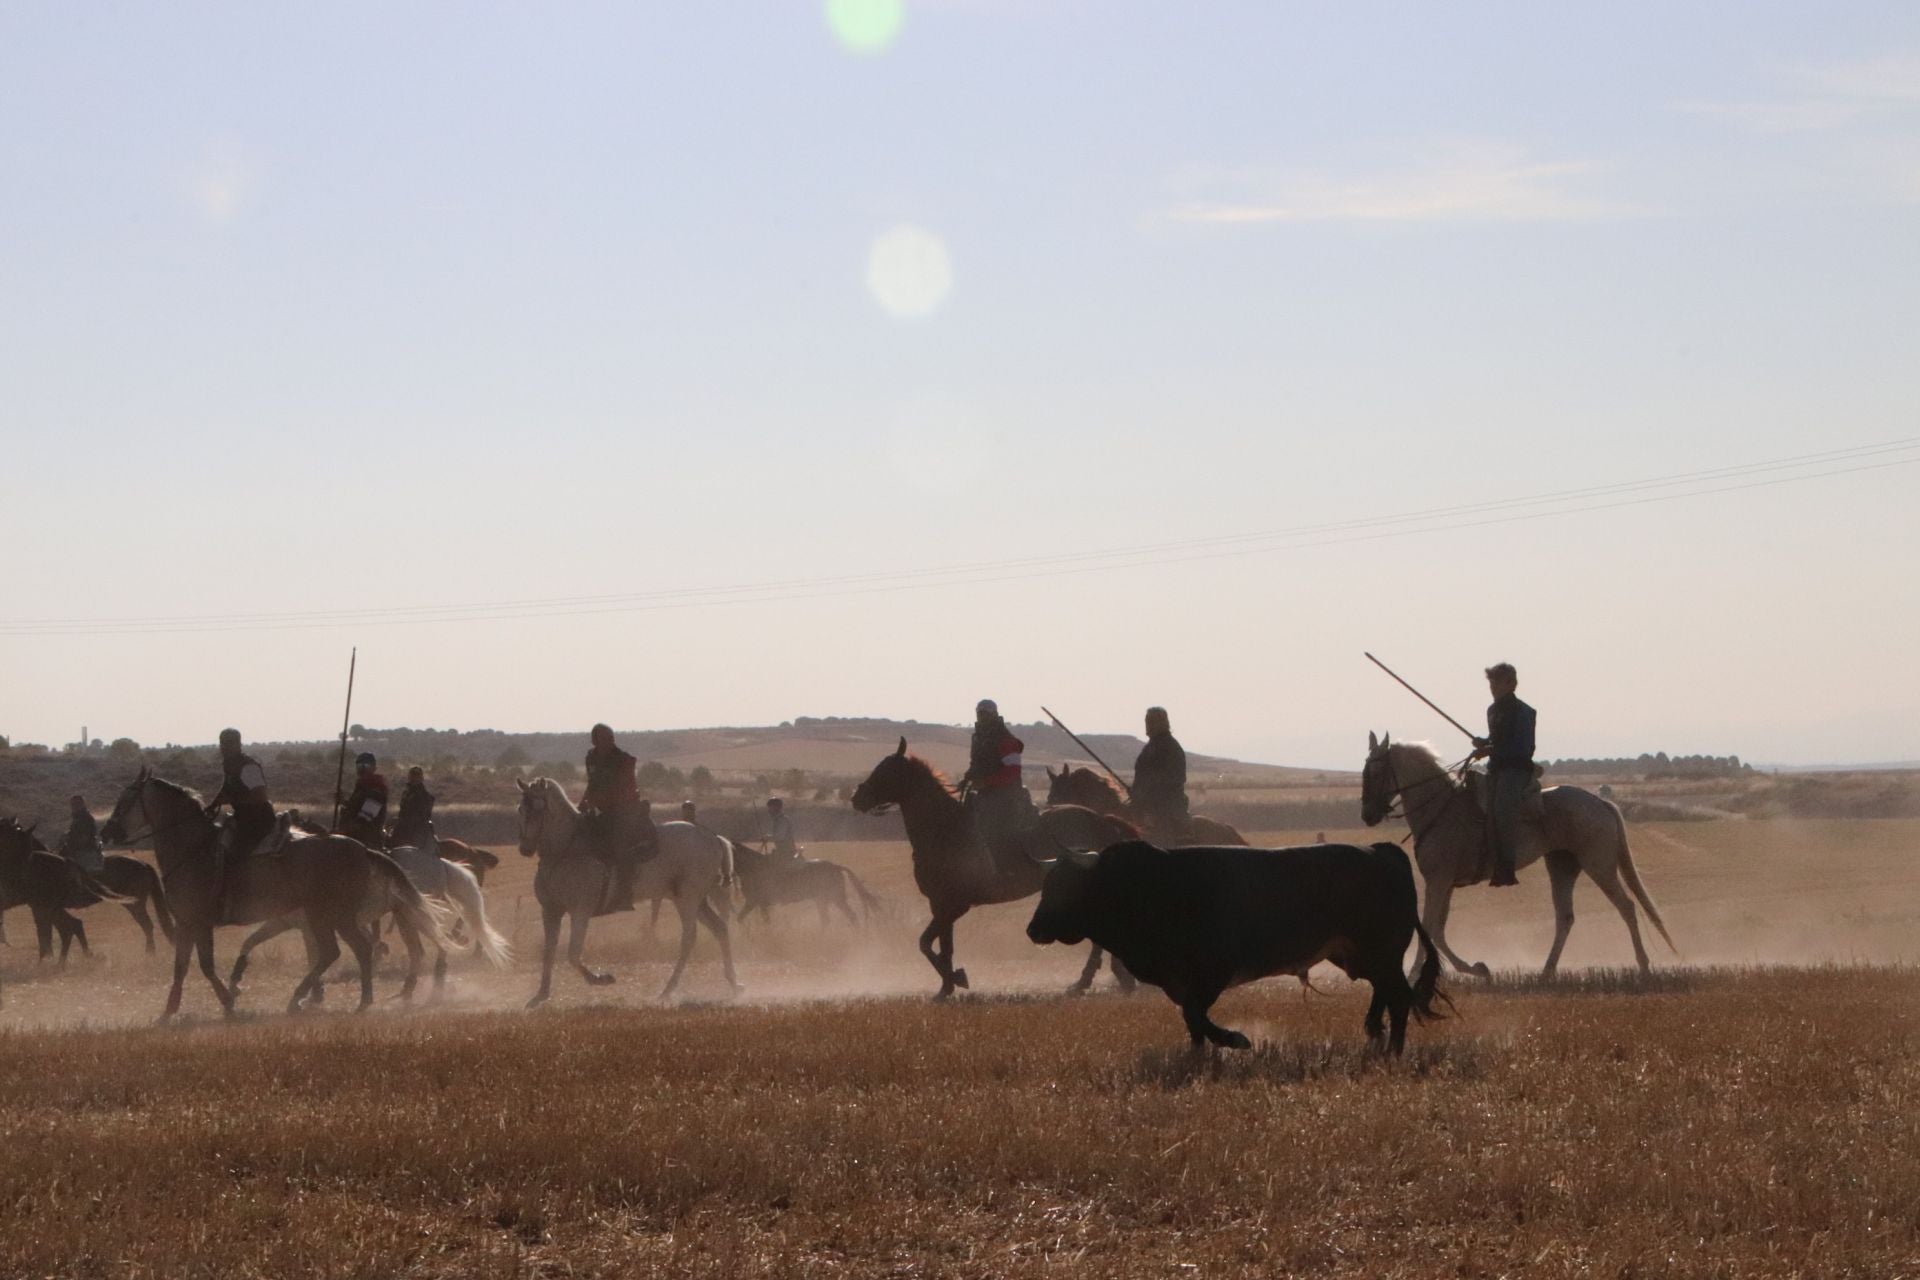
(340, 770)
(1423, 697)
(1090, 751)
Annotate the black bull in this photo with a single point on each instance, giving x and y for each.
(1196, 921)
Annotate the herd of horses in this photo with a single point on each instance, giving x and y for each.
(338, 892)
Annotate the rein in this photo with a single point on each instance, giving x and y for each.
(152, 832)
(1399, 793)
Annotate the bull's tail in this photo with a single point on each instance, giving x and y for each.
(1426, 988)
(1631, 875)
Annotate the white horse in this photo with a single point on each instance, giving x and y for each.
(439, 881)
(691, 866)
(1582, 832)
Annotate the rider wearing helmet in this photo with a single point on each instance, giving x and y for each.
(414, 826)
(364, 814)
(243, 785)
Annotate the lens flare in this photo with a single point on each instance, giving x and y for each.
(866, 26)
(909, 272)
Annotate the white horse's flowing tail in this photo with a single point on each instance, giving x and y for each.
(1632, 876)
(463, 890)
(427, 918)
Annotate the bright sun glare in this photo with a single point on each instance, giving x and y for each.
(909, 271)
(865, 26)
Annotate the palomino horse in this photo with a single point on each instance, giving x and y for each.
(449, 883)
(50, 886)
(769, 880)
(324, 878)
(949, 865)
(1583, 833)
(1089, 790)
(691, 865)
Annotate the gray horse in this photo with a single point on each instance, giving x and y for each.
(691, 866)
(1582, 832)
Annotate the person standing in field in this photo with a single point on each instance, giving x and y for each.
(363, 815)
(414, 825)
(1160, 780)
(81, 845)
(1000, 804)
(1511, 785)
(243, 785)
(613, 798)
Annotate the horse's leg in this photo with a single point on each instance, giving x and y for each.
(138, 910)
(716, 922)
(653, 919)
(271, 929)
(361, 945)
(550, 928)
(1562, 870)
(204, 945)
(955, 975)
(1609, 882)
(577, 945)
(326, 949)
(182, 956)
(934, 958)
(43, 930)
(410, 938)
(439, 972)
(846, 908)
(1088, 971)
(77, 933)
(689, 930)
(1439, 899)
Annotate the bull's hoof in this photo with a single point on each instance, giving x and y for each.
(1078, 988)
(1234, 1040)
(945, 994)
(960, 978)
(1480, 970)
(599, 979)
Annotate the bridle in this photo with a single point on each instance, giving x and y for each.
(152, 832)
(545, 802)
(1397, 793)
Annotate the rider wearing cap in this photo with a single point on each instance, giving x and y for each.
(1508, 750)
(414, 826)
(613, 802)
(1001, 806)
(243, 785)
(364, 815)
(1160, 779)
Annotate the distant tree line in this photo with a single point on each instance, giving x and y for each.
(1654, 765)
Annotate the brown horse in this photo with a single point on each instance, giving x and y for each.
(325, 878)
(950, 865)
(768, 880)
(1088, 789)
(50, 886)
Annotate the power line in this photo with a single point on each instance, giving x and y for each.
(1666, 488)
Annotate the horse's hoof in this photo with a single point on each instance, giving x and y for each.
(599, 979)
(539, 999)
(364, 1006)
(1480, 970)
(1078, 988)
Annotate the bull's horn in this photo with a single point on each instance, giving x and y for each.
(902, 749)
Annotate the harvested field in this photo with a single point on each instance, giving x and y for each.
(1719, 1120)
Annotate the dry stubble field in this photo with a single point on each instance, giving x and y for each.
(1718, 1120)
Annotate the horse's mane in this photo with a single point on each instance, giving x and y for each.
(1421, 753)
(926, 767)
(185, 793)
(554, 786)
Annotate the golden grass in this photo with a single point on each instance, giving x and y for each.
(1699, 1122)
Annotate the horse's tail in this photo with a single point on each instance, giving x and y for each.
(1426, 988)
(428, 919)
(463, 888)
(868, 899)
(726, 862)
(92, 884)
(1631, 875)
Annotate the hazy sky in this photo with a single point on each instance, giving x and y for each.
(367, 307)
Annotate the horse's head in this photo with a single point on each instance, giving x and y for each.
(1378, 785)
(116, 829)
(16, 841)
(534, 800)
(892, 781)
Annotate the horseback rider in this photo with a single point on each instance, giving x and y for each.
(689, 813)
(1508, 751)
(414, 825)
(1000, 804)
(243, 785)
(780, 830)
(612, 803)
(364, 815)
(81, 845)
(1160, 779)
